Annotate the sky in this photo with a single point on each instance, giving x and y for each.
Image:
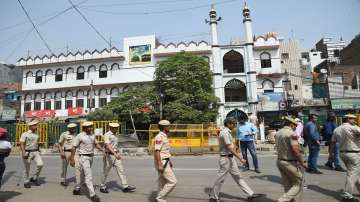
(170, 20)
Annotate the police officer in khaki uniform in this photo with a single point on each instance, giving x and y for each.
(290, 160)
(86, 142)
(228, 164)
(30, 152)
(348, 137)
(65, 145)
(163, 164)
(113, 159)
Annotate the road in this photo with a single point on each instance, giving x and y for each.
(195, 175)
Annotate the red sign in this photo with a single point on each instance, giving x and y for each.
(40, 113)
(75, 111)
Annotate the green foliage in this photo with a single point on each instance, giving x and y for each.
(186, 81)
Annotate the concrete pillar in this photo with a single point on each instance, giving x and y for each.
(52, 103)
(96, 101)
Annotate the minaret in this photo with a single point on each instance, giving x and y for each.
(216, 66)
(250, 68)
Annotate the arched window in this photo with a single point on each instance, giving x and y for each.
(37, 104)
(58, 102)
(91, 68)
(27, 106)
(69, 72)
(58, 75)
(115, 67)
(47, 102)
(235, 91)
(68, 99)
(265, 59)
(102, 98)
(103, 71)
(38, 76)
(114, 92)
(268, 86)
(233, 62)
(80, 73)
(80, 98)
(48, 73)
(91, 100)
(28, 74)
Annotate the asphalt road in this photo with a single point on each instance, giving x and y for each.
(195, 175)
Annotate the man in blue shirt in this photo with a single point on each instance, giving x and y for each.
(312, 139)
(327, 132)
(246, 133)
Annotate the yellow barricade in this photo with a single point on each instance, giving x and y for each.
(100, 125)
(42, 130)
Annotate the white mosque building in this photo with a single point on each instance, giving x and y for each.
(247, 74)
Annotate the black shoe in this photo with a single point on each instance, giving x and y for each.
(65, 184)
(35, 181)
(318, 172)
(95, 198)
(214, 200)
(27, 185)
(350, 200)
(340, 169)
(76, 191)
(129, 189)
(104, 190)
(329, 165)
(246, 168)
(314, 171)
(257, 171)
(254, 196)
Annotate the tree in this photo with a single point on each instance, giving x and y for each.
(185, 81)
(137, 100)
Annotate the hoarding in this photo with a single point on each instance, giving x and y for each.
(140, 54)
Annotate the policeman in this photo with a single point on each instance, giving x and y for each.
(228, 164)
(5, 149)
(163, 164)
(348, 137)
(65, 146)
(86, 143)
(290, 160)
(30, 152)
(113, 159)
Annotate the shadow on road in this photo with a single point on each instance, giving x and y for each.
(7, 176)
(271, 178)
(335, 194)
(6, 195)
(222, 195)
(113, 185)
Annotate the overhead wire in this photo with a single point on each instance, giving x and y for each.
(89, 23)
(136, 3)
(159, 12)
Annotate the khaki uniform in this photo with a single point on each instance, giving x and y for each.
(228, 165)
(111, 161)
(167, 180)
(32, 149)
(67, 139)
(348, 137)
(289, 167)
(85, 145)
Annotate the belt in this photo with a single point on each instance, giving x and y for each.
(287, 160)
(67, 150)
(350, 151)
(166, 159)
(31, 150)
(109, 153)
(89, 155)
(227, 155)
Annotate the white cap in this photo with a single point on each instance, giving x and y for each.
(71, 125)
(33, 122)
(87, 123)
(114, 125)
(164, 123)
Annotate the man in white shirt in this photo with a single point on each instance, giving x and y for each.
(5, 149)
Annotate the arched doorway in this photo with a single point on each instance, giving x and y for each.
(233, 62)
(237, 114)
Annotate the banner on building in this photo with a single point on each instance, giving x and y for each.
(140, 54)
(345, 103)
(270, 101)
(75, 111)
(40, 113)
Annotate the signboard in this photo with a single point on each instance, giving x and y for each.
(40, 113)
(346, 103)
(183, 142)
(270, 101)
(8, 114)
(75, 111)
(140, 54)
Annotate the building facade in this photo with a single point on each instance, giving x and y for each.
(247, 74)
